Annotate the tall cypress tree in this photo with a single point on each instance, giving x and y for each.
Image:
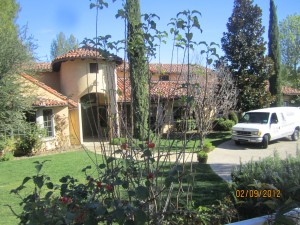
(274, 54)
(136, 52)
(244, 49)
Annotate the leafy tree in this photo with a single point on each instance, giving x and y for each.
(274, 54)
(244, 49)
(13, 56)
(62, 45)
(138, 70)
(290, 47)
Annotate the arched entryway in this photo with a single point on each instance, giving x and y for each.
(94, 117)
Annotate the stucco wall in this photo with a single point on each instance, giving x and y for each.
(76, 81)
(52, 79)
(34, 90)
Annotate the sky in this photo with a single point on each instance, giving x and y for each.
(46, 18)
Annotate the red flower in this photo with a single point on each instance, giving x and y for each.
(124, 146)
(150, 176)
(109, 187)
(99, 184)
(65, 200)
(151, 145)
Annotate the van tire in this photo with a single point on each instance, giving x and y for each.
(295, 135)
(265, 141)
(237, 142)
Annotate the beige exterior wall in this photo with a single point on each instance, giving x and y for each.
(76, 81)
(34, 90)
(52, 79)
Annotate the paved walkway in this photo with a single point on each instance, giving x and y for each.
(227, 155)
(222, 159)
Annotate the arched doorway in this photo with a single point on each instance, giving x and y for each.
(94, 117)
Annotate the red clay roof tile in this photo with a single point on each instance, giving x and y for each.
(48, 102)
(166, 68)
(85, 52)
(290, 91)
(164, 89)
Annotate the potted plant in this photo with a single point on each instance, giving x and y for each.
(202, 156)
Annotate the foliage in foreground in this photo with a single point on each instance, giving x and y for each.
(269, 185)
(108, 199)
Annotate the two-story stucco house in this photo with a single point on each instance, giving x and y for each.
(78, 88)
(91, 87)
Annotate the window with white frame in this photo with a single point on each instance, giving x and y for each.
(48, 122)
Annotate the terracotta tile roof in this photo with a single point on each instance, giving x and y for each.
(120, 86)
(164, 89)
(290, 91)
(64, 99)
(48, 102)
(167, 89)
(43, 67)
(85, 52)
(165, 68)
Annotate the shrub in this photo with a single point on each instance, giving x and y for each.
(7, 156)
(223, 212)
(6, 148)
(232, 116)
(270, 173)
(208, 147)
(29, 141)
(202, 156)
(118, 141)
(222, 124)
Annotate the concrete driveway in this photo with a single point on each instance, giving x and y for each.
(228, 155)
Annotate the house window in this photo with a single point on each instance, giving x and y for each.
(93, 67)
(164, 78)
(48, 122)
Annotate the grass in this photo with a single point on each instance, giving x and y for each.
(216, 138)
(176, 143)
(13, 172)
(207, 188)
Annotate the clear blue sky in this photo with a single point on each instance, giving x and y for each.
(46, 18)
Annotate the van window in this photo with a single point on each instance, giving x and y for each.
(255, 117)
(274, 118)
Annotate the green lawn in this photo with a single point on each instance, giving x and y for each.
(13, 172)
(193, 142)
(208, 186)
(176, 142)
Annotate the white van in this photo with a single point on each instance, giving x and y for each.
(264, 125)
